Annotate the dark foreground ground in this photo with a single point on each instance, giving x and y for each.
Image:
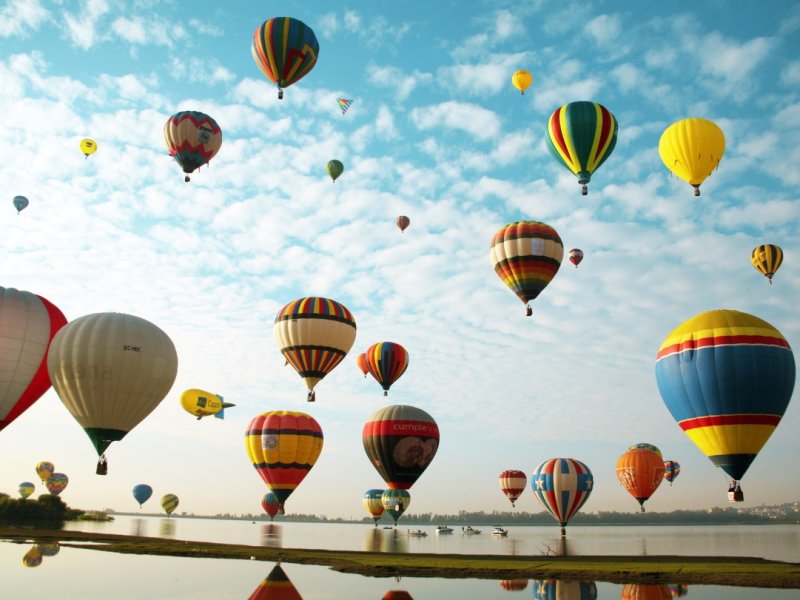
(738, 571)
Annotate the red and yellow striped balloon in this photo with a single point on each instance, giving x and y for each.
(512, 483)
(386, 362)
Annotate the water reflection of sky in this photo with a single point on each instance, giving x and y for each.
(83, 574)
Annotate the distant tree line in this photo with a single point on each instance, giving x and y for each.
(46, 509)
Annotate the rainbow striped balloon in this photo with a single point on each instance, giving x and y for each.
(386, 362)
(727, 378)
(671, 470)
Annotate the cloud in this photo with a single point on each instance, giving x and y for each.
(790, 74)
(148, 31)
(204, 28)
(490, 76)
(19, 17)
(81, 29)
(604, 29)
(198, 70)
(403, 85)
(480, 123)
(730, 65)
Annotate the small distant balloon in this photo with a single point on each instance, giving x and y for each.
(88, 146)
(169, 502)
(142, 493)
(386, 362)
(372, 501)
(335, 168)
(395, 502)
(26, 488)
(20, 203)
(522, 79)
(576, 256)
(403, 222)
(344, 104)
(640, 470)
(44, 469)
(767, 258)
(671, 470)
(271, 504)
(361, 361)
(56, 483)
(512, 484)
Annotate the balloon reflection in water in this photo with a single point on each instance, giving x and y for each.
(271, 535)
(372, 540)
(638, 591)
(678, 590)
(32, 558)
(276, 586)
(48, 548)
(139, 527)
(514, 585)
(552, 589)
(397, 595)
(167, 528)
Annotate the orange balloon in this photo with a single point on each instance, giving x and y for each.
(361, 361)
(641, 470)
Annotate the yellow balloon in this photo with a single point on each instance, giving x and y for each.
(203, 404)
(88, 146)
(692, 149)
(522, 79)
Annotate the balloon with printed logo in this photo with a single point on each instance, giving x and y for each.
(270, 504)
(562, 486)
(395, 502)
(727, 378)
(44, 469)
(766, 259)
(28, 323)
(692, 149)
(192, 138)
(576, 256)
(26, 488)
(20, 203)
(522, 80)
(386, 362)
(142, 493)
(400, 441)
(88, 147)
(283, 446)
(111, 370)
(526, 255)
(334, 168)
(373, 503)
(402, 222)
(640, 470)
(512, 483)
(285, 49)
(56, 483)
(314, 335)
(204, 404)
(169, 502)
(671, 470)
(581, 136)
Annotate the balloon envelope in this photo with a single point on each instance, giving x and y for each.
(20, 203)
(56, 483)
(372, 501)
(192, 138)
(522, 79)
(44, 469)
(203, 404)
(334, 168)
(726, 377)
(671, 470)
(512, 483)
(142, 493)
(361, 361)
(270, 504)
(767, 258)
(395, 502)
(640, 470)
(32, 558)
(576, 256)
(88, 147)
(28, 323)
(692, 149)
(562, 486)
(314, 335)
(283, 446)
(386, 362)
(285, 49)
(581, 136)
(400, 442)
(26, 488)
(276, 586)
(526, 255)
(110, 371)
(402, 222)
(169, 502)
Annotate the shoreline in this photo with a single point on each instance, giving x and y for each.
(688, 570)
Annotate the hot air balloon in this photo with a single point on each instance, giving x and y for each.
(576, 256)
(692, 149)
(142, 493)
(671, 470)
(270, 504)
(562, 486)
(26, 488)
(581, 136)
(386, 362)
(204, 404)
(56, 483)
(20, 203)
(397, 595)
(402, 222)
(361, 361)
(283, 446)
(641, 591)
(678, 590)
(395, 502)
(373, 503)
(276, 586)
(526, 255)
(344, 104)
(49, 548)
(314, 335)
(110, 371)
(640, 470)
(285, 49)
(560, 589)
(44, 469)
(400, 442)
(169, 502)
(726, 377)
(514, 585)
(334, 168)
(522, 79)
(192, 139)
(767, 258)
(28, 323)
(88, 146)
(512, 483)
(32, 558)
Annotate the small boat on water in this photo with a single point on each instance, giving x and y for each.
(499, 531)
(417, 533)
(468, 530)
(444, 529)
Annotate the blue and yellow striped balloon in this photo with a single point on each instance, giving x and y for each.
(727, 378)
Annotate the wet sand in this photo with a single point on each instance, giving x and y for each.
(689, 570)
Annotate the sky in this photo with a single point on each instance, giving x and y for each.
(436, 132)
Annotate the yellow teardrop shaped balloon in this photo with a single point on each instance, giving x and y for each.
(88, 146)
(522, 79)
(692, 149)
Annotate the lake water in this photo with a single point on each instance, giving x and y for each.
(78, 573)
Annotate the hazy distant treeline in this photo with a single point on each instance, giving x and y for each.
(47, 508)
